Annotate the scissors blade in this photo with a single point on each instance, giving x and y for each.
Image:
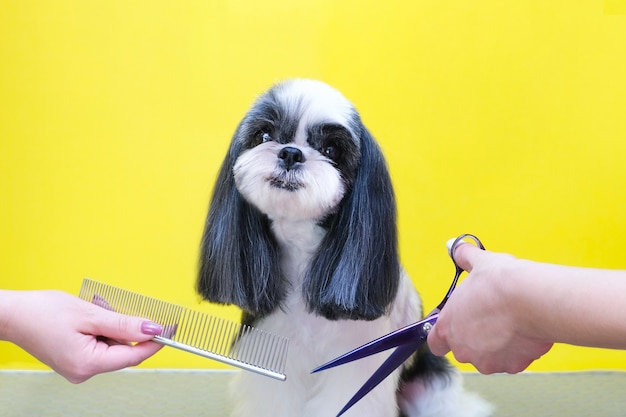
(394, 360)
(416, 332)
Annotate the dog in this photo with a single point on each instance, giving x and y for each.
(301, 235)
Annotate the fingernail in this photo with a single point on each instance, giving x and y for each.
(449, 244)
(151, 328)
(101, 302)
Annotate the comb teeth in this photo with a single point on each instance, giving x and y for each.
(202, 334)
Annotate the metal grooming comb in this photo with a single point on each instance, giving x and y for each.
(202, 334)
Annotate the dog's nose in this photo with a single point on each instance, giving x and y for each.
(290, 156)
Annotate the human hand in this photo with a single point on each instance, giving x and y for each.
(481, 322)
(75, 338)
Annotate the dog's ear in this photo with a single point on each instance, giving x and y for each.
(355, 273)
(239, 255)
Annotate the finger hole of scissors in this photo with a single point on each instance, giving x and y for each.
(461, 239)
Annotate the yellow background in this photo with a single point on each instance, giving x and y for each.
(503, 119)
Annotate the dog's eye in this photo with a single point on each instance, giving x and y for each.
(261, 137)
(330, 152)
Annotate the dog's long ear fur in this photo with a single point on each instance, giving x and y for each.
(356, 271)
(239, 255)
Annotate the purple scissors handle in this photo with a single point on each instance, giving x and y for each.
(406, 340)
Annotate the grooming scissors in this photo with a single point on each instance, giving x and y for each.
(407, 340)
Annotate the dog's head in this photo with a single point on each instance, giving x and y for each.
(302, 153)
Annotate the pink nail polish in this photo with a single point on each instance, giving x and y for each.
(151, 328)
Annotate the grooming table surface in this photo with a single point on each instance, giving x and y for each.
(203, 393)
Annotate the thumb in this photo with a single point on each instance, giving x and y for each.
(466, 255)
(437, 342)
(121, 327)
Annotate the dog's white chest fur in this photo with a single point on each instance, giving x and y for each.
(298, 241)
(315, 340)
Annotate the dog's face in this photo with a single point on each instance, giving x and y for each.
(299, 151)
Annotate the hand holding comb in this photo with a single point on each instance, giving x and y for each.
(212, 337)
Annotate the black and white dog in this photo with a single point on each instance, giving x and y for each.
(301, 234)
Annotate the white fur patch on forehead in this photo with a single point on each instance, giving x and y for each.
(314, 102)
